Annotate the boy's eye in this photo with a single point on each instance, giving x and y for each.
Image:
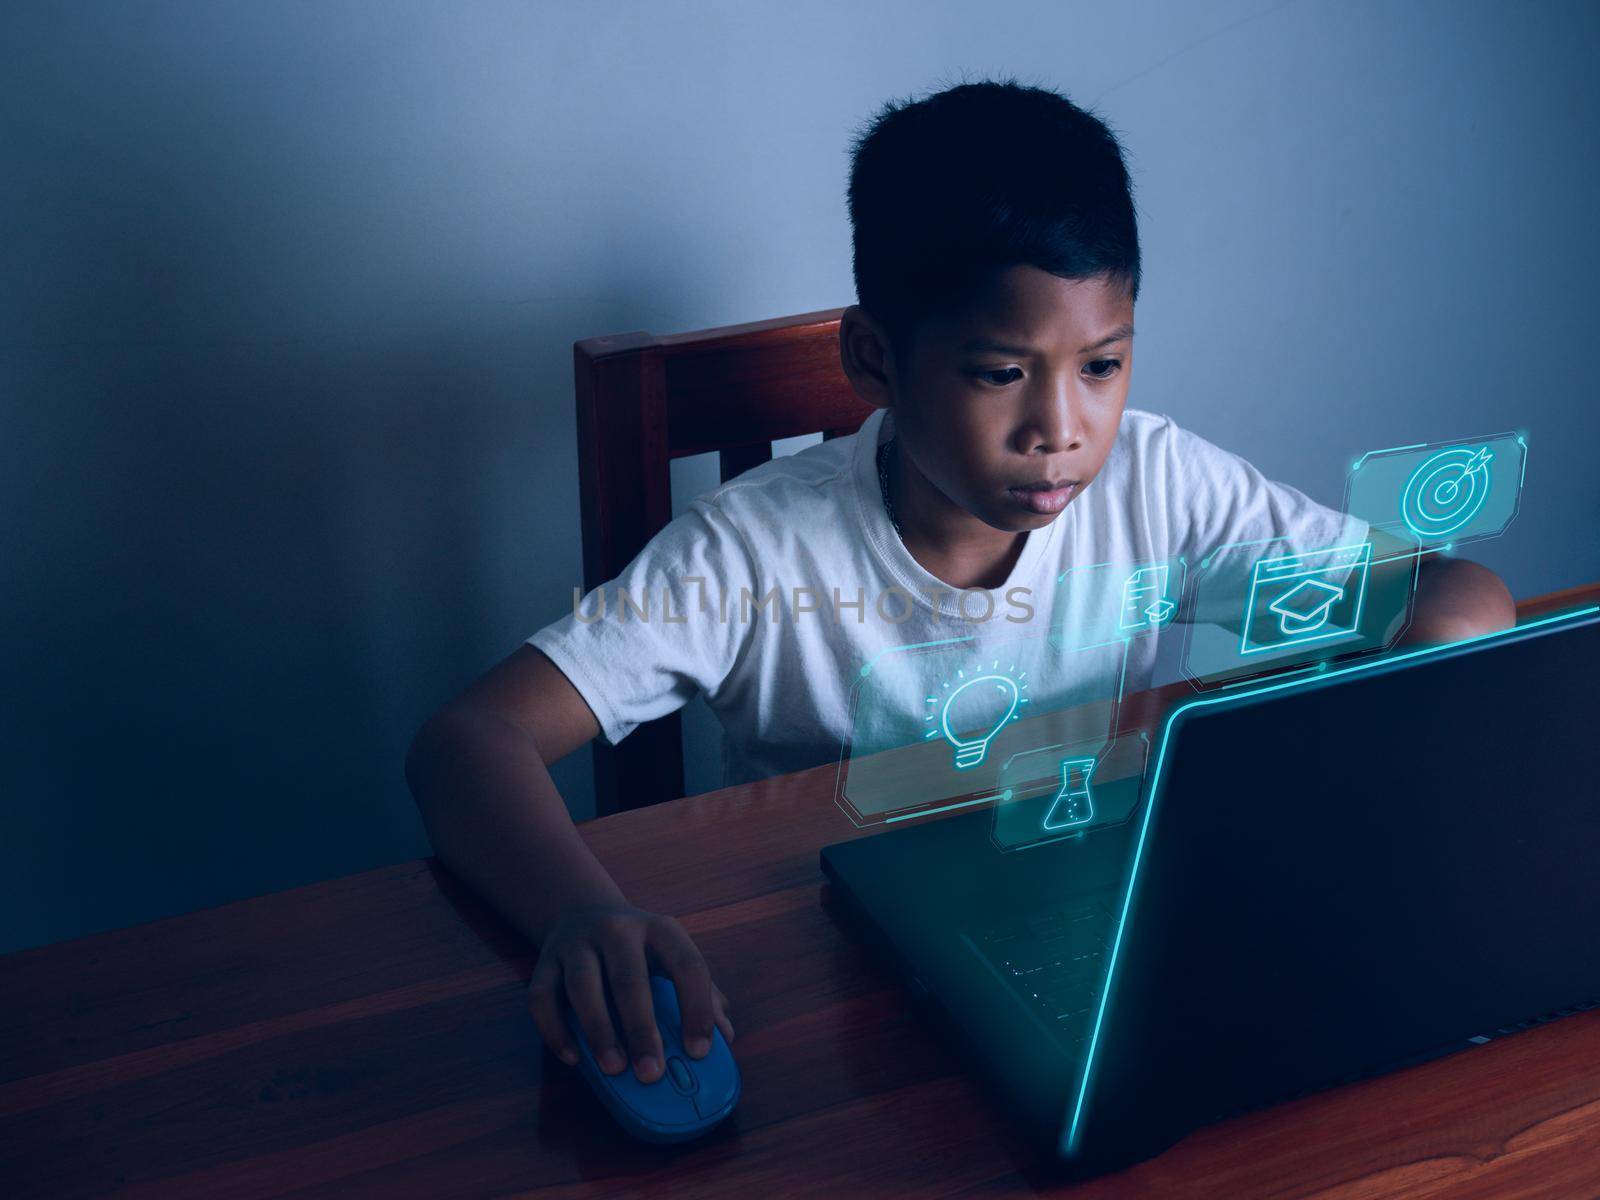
(988, 376)
(1100, 368)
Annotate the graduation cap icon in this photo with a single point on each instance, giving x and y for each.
(1305, 606)
(1160, 611)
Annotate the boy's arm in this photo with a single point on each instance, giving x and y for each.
(479, 769)
(1457, 599)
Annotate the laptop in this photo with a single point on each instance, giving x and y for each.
(1325, 878)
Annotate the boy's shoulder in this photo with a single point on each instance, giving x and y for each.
(819, 477)
(1142, 446)
(1140, 423)
(1150, 441)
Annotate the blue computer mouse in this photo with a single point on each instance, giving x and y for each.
(692, 1095)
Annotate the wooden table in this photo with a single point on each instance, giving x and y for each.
(369, 1036)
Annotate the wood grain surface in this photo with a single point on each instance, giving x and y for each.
(368, 1036)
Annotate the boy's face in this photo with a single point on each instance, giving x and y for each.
(1012, 431)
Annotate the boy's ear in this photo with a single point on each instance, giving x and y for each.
(864, 355)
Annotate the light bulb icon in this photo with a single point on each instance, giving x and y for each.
(976, 710)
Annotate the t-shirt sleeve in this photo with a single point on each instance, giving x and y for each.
(1218, 499)
(640, 646)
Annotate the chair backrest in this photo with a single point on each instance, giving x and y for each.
(646, 399)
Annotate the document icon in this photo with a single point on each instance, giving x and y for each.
(1144, 600)
(1300, 598)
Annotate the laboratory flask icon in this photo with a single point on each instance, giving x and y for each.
(1072, 805)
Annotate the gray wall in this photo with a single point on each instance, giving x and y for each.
(288, 293)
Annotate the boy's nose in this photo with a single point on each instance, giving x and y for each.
(1055, 427)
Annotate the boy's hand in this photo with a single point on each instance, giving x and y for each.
(586, 949)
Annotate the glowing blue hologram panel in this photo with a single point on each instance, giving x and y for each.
(1108, 602)
(932, 724)
(1306, 597)
(1046, 793)
(1073, 804)
(1441, 493)
(981, 706)
(1271, 606)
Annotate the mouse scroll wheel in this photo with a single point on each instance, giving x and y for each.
(682, 1078)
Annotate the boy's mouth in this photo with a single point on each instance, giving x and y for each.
(1045, 496)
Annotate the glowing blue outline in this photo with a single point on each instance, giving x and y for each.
(866, 667)
(1243, 674)
(923, 812)
(1163, 570)
(964, 747)
(1417, 481)
(1055, 632)
(1315, 617)
(1071, 1143)
(1356, 466)
(1068, 765)
(1107, 748)
(1519, 436)
(1363, 554)
(854, 815)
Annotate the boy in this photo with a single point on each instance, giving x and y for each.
(996, 266)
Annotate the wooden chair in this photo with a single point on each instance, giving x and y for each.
(646, 399)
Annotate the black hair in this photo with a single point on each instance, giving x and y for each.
(981, 176)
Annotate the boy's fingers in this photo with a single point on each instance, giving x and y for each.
(724, 1022)
(586, 990)
(676, 952)
(544, 1002)
(630, 988)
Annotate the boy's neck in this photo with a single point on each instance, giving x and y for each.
(947, 541)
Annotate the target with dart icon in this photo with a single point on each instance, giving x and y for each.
(1446, 491)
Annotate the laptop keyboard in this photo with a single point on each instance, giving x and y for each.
(1055, 959)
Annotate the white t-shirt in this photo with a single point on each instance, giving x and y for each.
(688, 614)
